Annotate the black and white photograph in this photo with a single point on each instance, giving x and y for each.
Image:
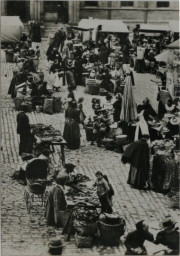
(90, 128)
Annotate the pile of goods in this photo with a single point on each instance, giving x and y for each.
(85, 224)
(163, 145)
(78, 178)
(45, 133)
(82, 193)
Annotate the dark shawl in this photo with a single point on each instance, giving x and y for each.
(137, 154)
(23, 126)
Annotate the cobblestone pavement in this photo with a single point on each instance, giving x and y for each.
(27, 234)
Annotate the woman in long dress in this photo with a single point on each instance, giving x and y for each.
(23, 129)
(137, 155)
(71, 129)
(140, 66)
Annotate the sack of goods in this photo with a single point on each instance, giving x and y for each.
(57, 105)
(48, 106)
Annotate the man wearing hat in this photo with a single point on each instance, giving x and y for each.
(56, 201)
(169, 236)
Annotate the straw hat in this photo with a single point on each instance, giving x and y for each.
(175, 120)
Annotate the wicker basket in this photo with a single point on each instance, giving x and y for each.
(63, 217)
(83, 242)
(121, 138)
(110, 234)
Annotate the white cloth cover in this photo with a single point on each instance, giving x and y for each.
(11, 29)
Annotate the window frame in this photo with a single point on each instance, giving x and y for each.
(159, 2)
(126, 6)
(90, 6)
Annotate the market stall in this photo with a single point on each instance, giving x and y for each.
(153, 30)
(47, 137)
(11, 29)
(102, 26)
(173, 73)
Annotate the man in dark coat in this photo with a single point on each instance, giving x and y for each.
(56, 202)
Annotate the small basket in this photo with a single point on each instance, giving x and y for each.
(83, 242)
(89, 133)
(63, 217)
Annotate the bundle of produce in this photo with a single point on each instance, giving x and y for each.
(78, 178)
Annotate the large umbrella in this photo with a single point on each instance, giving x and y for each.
(128, 111)
(162, 57)
(174, 45)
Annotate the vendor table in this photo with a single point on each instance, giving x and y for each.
(62, 145)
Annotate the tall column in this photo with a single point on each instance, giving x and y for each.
(4, 7)
(73, 12)
(35, 10)
(32, 10)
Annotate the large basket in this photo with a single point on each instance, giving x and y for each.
(91, 86)
(9, 57)
(83, 242)
(36, 188)
(110, 234)
(89, 133)
(86, 228)
(63, 217)
(17, 103)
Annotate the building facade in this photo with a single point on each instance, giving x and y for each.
(131, 12)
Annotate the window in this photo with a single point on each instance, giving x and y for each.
(91, 3)
(127, 3)
(162, 4)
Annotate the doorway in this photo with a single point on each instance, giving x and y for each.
(51, 9)
(19, 8)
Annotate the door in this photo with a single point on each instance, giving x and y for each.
(19, 8)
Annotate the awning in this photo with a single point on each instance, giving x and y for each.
(174, 45)
(81, 29)
(174, 26)
(162, 57)
(113, 26)
(154, 27)
(11, 28)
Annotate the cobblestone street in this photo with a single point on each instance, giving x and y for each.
(26, 234)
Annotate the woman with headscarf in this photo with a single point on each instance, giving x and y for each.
(141, 125)
(137, 155)
(70, 75)
(23, 129)
(135, 240)
(71, 129)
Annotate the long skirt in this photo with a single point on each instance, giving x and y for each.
(72, 134)
(26, 143)
(70, 79)
(137, 177)
(140, 66)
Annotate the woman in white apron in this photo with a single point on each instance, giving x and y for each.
(141, 125)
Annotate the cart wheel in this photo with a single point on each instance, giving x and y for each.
(27, 201)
